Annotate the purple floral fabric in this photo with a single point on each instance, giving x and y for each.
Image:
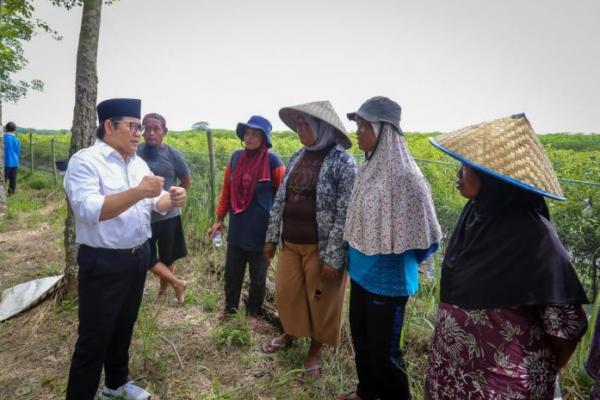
(498, 354)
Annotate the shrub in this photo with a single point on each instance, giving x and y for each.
(234, 332)
(39, 181)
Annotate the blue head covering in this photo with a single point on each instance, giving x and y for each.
(256, 122)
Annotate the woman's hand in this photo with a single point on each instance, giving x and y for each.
(562, 349)
(328, 273)
(269, 251)
(217, 226)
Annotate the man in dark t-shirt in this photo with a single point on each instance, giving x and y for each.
(167, 243)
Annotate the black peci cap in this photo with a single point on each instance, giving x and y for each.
(115, 108)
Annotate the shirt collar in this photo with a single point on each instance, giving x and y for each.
(106, 150)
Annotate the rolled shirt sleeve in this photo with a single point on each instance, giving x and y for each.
(155, 203)
(82, 185)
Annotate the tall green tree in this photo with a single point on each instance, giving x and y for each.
(84, 114)
(17, 26)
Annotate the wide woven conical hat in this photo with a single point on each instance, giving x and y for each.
(322, 110)
(506, 148)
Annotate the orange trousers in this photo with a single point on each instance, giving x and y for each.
(308, 305)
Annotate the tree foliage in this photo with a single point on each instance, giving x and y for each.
(17, 26)
(200, 126)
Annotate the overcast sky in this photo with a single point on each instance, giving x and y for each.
(448, 63)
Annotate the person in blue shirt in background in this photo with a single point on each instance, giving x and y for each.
(12, 154)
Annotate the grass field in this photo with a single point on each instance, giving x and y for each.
(184, 352)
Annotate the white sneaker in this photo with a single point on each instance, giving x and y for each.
(128, 391)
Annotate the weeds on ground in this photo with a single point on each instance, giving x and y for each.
(39, 180)
(22, 202)
(235, 332)
(205, 298)
(33, 192)
(147, 334)
(55, 386)
(219, 393)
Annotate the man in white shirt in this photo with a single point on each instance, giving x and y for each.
(112, 193)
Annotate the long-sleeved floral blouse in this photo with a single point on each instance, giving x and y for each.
(334, 187)
(498, 354)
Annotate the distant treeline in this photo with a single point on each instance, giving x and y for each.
(567, 141)
(49, 132)
(577, 141)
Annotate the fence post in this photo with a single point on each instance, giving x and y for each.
(211, 160)
(31, 152)
(54, 161)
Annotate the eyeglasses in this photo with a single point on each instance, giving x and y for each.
(134, 127)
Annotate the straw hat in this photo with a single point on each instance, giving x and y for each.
(322, 110)
(506, 148)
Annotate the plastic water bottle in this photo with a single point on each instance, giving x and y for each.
(217, 239)
(557, 393)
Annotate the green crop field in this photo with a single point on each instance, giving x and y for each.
(576, 159)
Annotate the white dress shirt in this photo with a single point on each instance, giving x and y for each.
(92, 174)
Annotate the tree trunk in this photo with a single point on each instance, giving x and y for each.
(2, 190)
(84, 118)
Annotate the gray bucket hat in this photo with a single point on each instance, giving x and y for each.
(379, 109)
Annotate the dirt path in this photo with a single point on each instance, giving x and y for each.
(29, 355)
(30, 252)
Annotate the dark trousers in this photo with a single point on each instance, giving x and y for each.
(376, 323)
(110, 290)
(235, 269)
(10, 176)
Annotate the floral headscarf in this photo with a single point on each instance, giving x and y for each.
(391, 209)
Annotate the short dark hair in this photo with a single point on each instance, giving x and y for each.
(100, 131)
(10, 127)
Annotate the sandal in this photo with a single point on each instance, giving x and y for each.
(348, 396)
(314, 371)
(273, 346)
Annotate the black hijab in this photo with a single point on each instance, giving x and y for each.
(504, 252)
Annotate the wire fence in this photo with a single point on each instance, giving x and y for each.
(45, 153)
(577, 219)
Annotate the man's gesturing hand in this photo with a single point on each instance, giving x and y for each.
(177, 195)
(151, 186)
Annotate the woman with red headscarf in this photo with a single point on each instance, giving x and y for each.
(251, 181)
